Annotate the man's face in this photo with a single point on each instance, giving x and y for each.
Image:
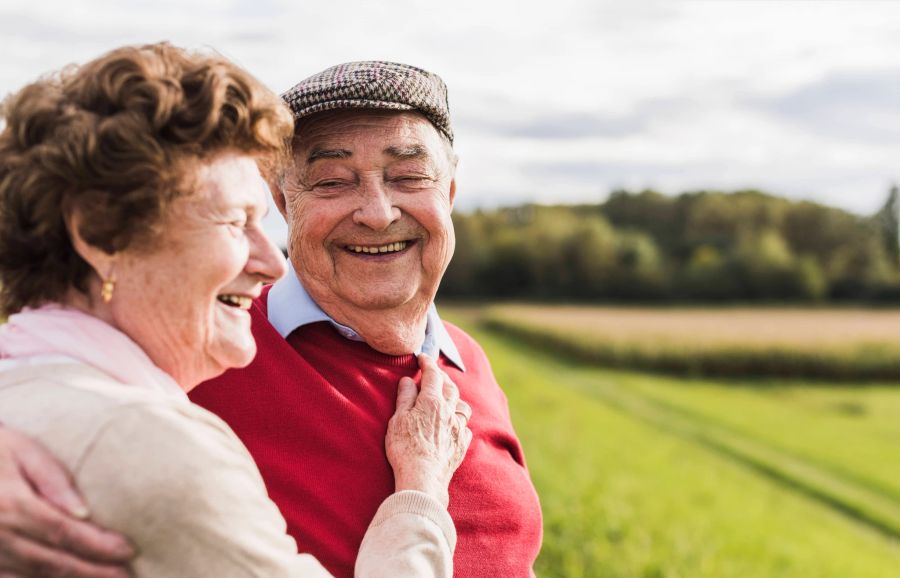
(368, 206)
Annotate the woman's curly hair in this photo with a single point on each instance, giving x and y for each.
(117, 140)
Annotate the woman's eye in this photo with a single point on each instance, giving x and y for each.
(236, 227)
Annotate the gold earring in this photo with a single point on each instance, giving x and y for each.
(106, 291)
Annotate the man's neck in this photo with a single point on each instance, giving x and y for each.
(395, 331)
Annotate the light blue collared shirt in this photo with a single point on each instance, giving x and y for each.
(291, 307)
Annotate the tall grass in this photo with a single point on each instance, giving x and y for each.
(625, 495)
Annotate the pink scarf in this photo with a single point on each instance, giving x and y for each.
(58, 330)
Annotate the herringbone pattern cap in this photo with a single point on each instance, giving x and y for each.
(373, 84)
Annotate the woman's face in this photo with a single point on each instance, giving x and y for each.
(185, 301)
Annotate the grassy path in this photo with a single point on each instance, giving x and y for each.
(628, 490)
(865, 504)
(847, 433)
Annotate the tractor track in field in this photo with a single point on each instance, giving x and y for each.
(855, 501)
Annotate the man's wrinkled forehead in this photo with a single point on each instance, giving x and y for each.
(324, 135)
(397, 152)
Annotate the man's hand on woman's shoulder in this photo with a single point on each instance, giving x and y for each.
(44, 527)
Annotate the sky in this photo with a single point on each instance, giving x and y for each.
(559, 101)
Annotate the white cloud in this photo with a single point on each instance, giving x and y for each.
(565, 100)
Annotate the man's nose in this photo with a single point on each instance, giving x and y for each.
(376, 210)
(266, 260)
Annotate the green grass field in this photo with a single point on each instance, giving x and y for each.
(648, 476)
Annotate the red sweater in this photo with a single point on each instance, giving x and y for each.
(313, 411)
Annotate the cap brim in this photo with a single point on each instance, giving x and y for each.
(350, 104)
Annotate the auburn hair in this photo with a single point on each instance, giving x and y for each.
(117, 139)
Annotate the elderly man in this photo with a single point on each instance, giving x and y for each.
(368, 202)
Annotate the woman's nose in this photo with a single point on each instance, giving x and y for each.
(266, 260)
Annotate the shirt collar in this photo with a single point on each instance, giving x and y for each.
(290, 307)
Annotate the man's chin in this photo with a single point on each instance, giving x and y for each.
(380, 300)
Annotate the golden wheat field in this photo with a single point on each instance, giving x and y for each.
(835, 344)
(797, 328)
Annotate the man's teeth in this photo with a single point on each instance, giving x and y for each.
(389, 248)
(240, 301)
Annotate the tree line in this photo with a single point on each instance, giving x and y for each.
(698, 246)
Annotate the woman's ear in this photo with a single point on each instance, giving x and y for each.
(99, 260)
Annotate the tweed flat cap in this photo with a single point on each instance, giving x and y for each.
(373, 84)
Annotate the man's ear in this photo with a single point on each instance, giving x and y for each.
(276, 189)
(454, 163)
(99, 260)
(452, 192)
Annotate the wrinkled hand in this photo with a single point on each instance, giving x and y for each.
(43, 532)
(428, 435)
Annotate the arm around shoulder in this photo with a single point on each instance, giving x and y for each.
(182, 487)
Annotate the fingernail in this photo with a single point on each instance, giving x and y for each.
(123, 548)
(126, 549)
(76, 506)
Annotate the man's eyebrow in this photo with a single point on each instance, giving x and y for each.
(415, 151)
(318, 153)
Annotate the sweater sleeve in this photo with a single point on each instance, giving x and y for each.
(411, 536)
(184, 489)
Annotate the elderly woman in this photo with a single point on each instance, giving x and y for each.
(131, 247)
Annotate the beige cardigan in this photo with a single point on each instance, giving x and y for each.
(178, 482)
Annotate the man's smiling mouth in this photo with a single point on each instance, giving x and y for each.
(388, 248)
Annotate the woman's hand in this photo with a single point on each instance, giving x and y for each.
(428, 435)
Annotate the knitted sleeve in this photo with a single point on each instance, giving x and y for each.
(184, 489)
(411, 536)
